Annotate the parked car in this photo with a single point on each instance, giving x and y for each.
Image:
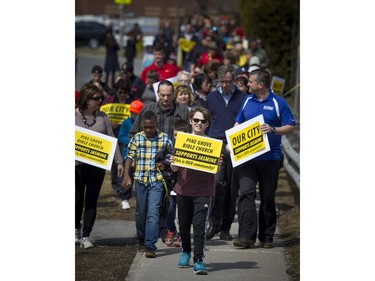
(90, 33)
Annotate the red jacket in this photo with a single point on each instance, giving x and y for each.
(164, 72)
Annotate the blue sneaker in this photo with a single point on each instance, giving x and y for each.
(199, 268)
(184, 260)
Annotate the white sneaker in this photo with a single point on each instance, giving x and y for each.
(86, 243)
(78, 236)
(125, 204)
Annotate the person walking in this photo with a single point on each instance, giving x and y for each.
(123, 138)
(111, 63)
(89, 178)
(148, 180)
(224, 104)
(194, 190)
(263, 169)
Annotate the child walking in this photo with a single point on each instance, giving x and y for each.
(149, 188)
(194, 191)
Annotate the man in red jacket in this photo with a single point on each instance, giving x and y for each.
(164, 70)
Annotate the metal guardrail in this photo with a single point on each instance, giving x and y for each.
(291, 160)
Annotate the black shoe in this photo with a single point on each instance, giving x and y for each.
(211, 232)
(150, 253)
(141, 245)
(225, 235)
(267, 245)
(243, 243)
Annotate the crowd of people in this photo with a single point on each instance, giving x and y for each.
(221, 82)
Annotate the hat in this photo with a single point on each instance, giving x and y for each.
(251, 68)
(97, 69)
(239, 71)
(254, 61)
(136, 106)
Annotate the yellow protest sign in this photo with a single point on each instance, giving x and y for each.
(197, 152)
(116, 112)
(246, 141)
(125, 2)
(186, 45)
(277, 85)
(94, 148)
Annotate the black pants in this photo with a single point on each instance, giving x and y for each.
(226, 191)
(89, 180)
(193, 210)
(267, 174)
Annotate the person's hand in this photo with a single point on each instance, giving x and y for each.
(120, 170)
(171, 158)
(126, 182)
(160, 166)
(267, 129)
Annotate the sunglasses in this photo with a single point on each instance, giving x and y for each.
(97, 98)
(196, 120)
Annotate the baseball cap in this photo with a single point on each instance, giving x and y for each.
(136, 106)
(254, 60)
(97, 69)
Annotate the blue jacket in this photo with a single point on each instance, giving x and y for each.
(123, 135)
(223, 115)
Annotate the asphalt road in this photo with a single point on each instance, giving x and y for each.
(87, 61)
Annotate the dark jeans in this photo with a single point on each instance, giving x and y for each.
(267, 174)
(226, 192)
(124, 193)
(193, 210)
(171, 216)
(89, 180)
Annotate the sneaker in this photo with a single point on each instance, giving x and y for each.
(169, 238)
(86, 243)
(150, 253)
(225, 235)
(184, 260)
(200, 268)
(78, 237)
(243, 243)
(125, 205)
(177, 242)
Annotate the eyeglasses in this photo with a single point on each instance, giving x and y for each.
(196, 120)
(225, 81)
(97, 98)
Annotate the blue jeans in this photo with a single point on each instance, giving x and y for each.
(147, 212)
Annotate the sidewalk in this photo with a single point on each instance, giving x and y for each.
(223, 260)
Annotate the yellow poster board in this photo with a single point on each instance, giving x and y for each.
(186, 45)
(124, 2)
(197, 152)
(116, 112)
(277, 85)
(94, 148)
(246, 141)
